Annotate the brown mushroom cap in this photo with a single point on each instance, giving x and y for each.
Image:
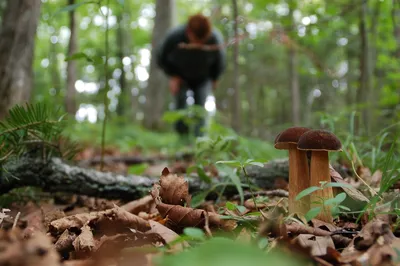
(319, 140)
(289, 136)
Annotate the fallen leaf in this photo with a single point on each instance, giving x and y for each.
(174, 189)
(180, 217)
(64, 242)
(318, 244)
(352, 192)
(141, 205)
(85, 242)
(36, 249)
(117, 220)
(167, 234)
(111, 220)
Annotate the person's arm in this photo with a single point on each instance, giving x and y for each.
(219, 65)
(169, 43)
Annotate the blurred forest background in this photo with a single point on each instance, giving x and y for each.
(330, 64)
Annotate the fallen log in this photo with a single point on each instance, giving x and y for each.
(128, 160)
(56, 175)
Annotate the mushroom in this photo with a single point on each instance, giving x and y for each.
(298, 168)
(320, 142)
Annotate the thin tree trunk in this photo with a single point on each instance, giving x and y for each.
(17, 39)
(121, 53)
(364, 80)
(294, 87)
(236, 119)
(157, 88)
(70, 99)
(293, 75)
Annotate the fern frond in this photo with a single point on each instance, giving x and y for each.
(31, 126)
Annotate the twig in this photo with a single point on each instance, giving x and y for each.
(16, 220)
(207, 224)
(271, 193)
(365, 183)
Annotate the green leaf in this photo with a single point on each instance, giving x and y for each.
(230, 163)
(138, 169)
(232, 175)
(202, 174)
(253, 162)
(334, 184)
(263, 243)
(230, 206)
(336, 200)
(307, 192)
(195, 233)
(241, 208)
(312, 213)
(198, 199)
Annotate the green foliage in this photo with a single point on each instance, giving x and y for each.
(138, 169)
(35, 126)
(223, 251)
(333, 204)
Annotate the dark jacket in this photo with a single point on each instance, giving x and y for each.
(191, 64)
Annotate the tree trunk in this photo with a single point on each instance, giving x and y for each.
(120, 54)
(293, 74)
(236, 119)
(294, 86)
(17, 38)
(157, 88)
(70, 99)
(364, 80)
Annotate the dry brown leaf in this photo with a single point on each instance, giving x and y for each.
(374, 245)
(118, 220)
(70, 222)
(64, 242)
(167, 234)
(115, 219)
(31, 251)
(85, 241)
(187, 217)
(324, 225)
(352, 192)
(318, 244)
(180, 217)
(174, 189)
(141, 205)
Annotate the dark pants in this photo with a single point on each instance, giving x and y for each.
(200, 92)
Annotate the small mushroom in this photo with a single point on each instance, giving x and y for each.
(298, 168)
(320, 142)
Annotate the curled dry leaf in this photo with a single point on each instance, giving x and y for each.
(174, 189)
(374, 245)
(109, 220)
(180, 217)
(34, 250)
(64, 242)
(85, 242)
(118, 220)
(318, 244)
(141, 205)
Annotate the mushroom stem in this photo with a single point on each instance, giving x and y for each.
(319, 173)
(298, 180)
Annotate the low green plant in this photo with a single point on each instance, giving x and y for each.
(323, 205)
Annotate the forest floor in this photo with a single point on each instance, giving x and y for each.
(166, 228)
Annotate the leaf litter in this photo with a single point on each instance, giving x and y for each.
(151, 231)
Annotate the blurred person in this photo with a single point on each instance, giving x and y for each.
(193, 56)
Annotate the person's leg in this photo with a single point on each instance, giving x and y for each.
(180, 100)
(200, 95)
